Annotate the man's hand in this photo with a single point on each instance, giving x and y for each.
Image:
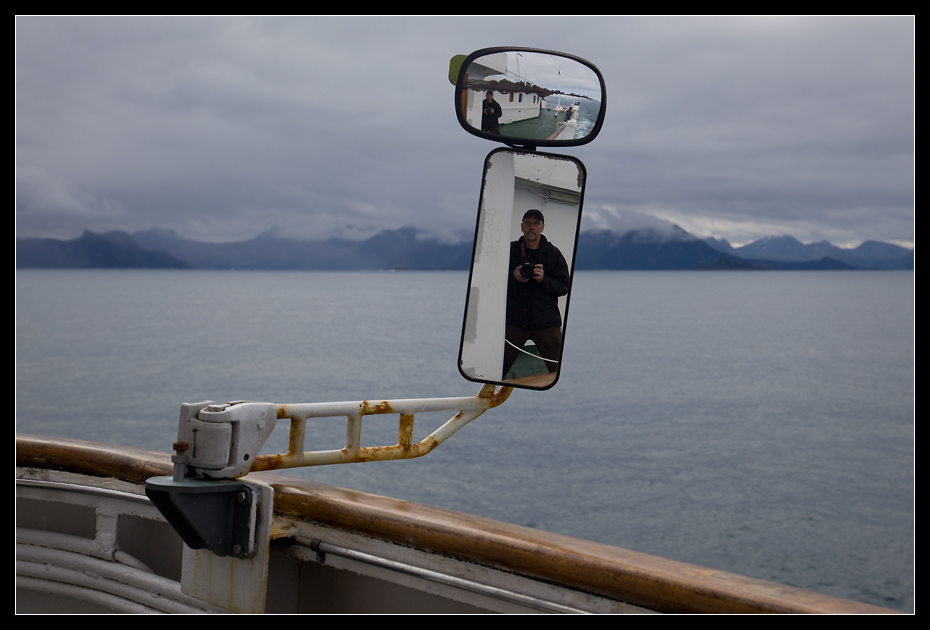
(538, 273)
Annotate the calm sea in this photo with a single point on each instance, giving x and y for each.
(754, 422)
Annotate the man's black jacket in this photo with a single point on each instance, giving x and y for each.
(533, 305)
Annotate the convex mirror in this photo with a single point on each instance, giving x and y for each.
(527, 97)
(522, 267)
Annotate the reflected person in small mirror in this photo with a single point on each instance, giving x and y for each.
(538, 277)
(490, 114)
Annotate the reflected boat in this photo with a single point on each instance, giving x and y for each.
(518, 98)
(568, 126)
(556, 123)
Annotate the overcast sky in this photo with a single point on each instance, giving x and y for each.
(223, 128)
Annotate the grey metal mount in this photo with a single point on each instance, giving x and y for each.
(220, 441)
(202, 501)
(218, 515)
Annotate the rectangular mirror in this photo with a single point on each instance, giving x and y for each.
(522, 265)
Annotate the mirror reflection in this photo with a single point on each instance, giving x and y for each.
(520, 283)
(532, 96)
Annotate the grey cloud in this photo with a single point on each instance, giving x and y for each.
(221, 128)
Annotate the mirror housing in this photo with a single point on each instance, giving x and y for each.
(526, 199)
(540, 98)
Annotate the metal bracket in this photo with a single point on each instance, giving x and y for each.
(216, 515)
(221, 441)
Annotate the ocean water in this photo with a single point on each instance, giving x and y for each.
(754, 422)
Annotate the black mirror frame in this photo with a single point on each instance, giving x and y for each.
(571, 270)
(528, 143)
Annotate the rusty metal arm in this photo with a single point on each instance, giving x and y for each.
(215, 511)
(468, 409)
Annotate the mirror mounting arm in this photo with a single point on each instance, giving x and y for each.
(218, 442)
(530, 148)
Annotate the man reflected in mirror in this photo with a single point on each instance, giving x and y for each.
(538, 277)
(490, 114)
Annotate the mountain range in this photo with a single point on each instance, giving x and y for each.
(408, 248)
